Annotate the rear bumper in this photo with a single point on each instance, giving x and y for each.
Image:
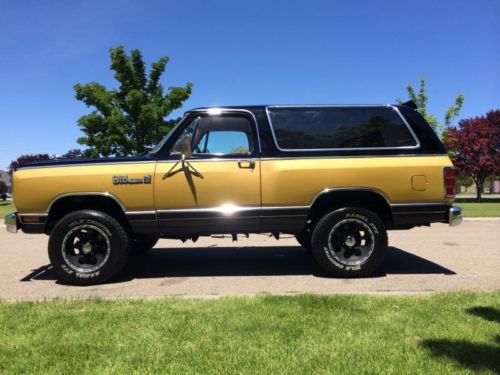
(12, 222)
(416, 214)
(455, 216)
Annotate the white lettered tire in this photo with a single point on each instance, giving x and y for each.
(88, 247)
(349, 242)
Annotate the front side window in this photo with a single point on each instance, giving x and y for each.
(207, 136)
(316, 128)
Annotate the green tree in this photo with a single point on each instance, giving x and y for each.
(130, 119)
(421, 99)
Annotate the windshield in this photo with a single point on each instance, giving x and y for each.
(162, 142)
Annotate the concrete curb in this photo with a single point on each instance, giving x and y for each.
(481, 218)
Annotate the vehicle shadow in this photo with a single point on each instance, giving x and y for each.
(247, 261)
(472, 355)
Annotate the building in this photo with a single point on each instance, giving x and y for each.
(490, 187)
(5, 177)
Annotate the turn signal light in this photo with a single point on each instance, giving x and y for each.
(31, 219)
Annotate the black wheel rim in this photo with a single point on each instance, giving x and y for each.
(351, 242)
(86, 248)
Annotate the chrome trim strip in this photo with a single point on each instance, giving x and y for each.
(73, 194)
(351, 188)
(140, 212)
(349, 156)
(417, 141)
(232, 209)
(226, 109)
(218, 209)
(418, 204)
(324, 105)
(284, 207)
(418, 212)
(215, 159)
(88, 164)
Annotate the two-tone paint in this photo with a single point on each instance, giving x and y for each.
(268, 190)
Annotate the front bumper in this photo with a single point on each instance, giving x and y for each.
(12, 222)
(455, 216)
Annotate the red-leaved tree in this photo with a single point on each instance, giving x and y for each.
(474, 147)
(23, 159)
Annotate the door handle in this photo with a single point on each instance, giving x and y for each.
(246, 164)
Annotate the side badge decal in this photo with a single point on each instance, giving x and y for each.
(126, 180)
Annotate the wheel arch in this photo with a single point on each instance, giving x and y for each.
(99, 201)
(362, 197)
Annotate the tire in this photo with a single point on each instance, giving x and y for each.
(304, 239)
(349, 242)
(88, 247)
(142, 244)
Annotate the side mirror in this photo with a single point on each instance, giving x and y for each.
(186, 149)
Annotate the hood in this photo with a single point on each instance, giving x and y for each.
(79, 161)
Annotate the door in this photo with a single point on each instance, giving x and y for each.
(210, 180)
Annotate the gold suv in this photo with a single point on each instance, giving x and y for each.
(337, 177)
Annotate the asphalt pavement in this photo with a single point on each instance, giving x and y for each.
(420, 260)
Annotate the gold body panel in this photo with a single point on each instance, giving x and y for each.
(296, 182)
(223, 182)
(273, 182)
(34, 189)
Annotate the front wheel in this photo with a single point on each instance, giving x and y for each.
(88, 247)
(349, 242)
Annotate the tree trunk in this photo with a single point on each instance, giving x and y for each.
(479, 190)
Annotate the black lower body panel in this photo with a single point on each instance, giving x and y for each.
(411, 215)
(206, 222)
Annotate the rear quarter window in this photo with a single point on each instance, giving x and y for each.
(324, 128)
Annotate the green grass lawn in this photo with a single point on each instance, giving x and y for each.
(6, 207)
(480, 209)
(441, 333)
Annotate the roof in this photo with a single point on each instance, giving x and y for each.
(263, 106)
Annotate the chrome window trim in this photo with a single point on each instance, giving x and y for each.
(349, 156)
(215, 159)
(216, 111)
(415, 138)
(73, 194)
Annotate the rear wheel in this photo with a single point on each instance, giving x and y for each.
(88, 247)
(349, 242)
